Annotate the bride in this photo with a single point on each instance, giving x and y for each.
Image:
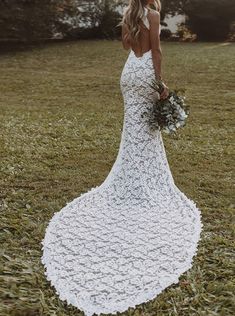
(123, 242)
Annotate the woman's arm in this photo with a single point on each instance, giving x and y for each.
(154, 19)
(125, 37)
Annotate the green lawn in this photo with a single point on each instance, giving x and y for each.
(61, 115)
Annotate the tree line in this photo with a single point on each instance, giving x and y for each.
(30, 20)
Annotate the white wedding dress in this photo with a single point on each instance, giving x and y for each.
(123, 242)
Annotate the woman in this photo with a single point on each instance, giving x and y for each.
(141, 32)
(123, 242)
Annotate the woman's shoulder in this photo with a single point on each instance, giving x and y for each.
(153, 15)
(153, 12)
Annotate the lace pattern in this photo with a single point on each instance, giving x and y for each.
(123, 242)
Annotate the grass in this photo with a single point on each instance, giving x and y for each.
(61, 114)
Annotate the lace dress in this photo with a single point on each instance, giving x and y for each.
(123, 242)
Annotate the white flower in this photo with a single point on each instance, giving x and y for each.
(171, 99)
(177, 124)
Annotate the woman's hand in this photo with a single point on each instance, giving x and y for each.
(165, 92)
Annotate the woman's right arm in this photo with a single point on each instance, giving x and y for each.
(154, 18)
(156, 48)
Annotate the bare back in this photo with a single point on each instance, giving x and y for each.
(144, 44)
(149, 38)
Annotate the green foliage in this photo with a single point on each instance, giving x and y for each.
(28, 20)
(210, 19)
(102, 18)
(108, 19)
(166, 34)
(173, 7)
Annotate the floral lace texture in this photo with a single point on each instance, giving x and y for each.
(123, 242)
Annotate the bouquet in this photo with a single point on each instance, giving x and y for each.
(168, 114)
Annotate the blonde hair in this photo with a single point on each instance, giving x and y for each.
(133, 15)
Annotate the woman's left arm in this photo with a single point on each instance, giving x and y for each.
(125, 37)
